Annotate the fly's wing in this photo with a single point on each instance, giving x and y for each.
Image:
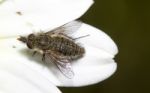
(65, 67)
(67, 29)
(62, 63)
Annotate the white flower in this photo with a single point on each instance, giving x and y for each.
(21, 73)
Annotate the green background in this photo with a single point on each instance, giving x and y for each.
(128, 23)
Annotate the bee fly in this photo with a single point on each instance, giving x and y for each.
(58, 46)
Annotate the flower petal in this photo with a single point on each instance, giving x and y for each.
(15, 77)
(39, 15)
(12, 26)
(95, 66)
(91, 69)
(97, 39)
(10, 83)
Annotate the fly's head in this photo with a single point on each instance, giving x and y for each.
(30, 40)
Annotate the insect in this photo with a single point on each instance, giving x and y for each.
(58, 46)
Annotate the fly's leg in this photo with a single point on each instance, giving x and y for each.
(34, 53)
(43, 57)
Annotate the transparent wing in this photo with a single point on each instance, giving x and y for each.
(65, 68)
(68, 28)
(62, 63)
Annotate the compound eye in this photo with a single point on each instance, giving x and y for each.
(30, 42)
(31, 37)
(29, 45)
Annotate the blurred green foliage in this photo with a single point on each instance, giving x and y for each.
(128, 23)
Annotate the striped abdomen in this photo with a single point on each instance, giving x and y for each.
(66, 47)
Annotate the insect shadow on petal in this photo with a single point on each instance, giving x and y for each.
(57, 45)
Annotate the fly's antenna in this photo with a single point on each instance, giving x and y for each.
(22, 39)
